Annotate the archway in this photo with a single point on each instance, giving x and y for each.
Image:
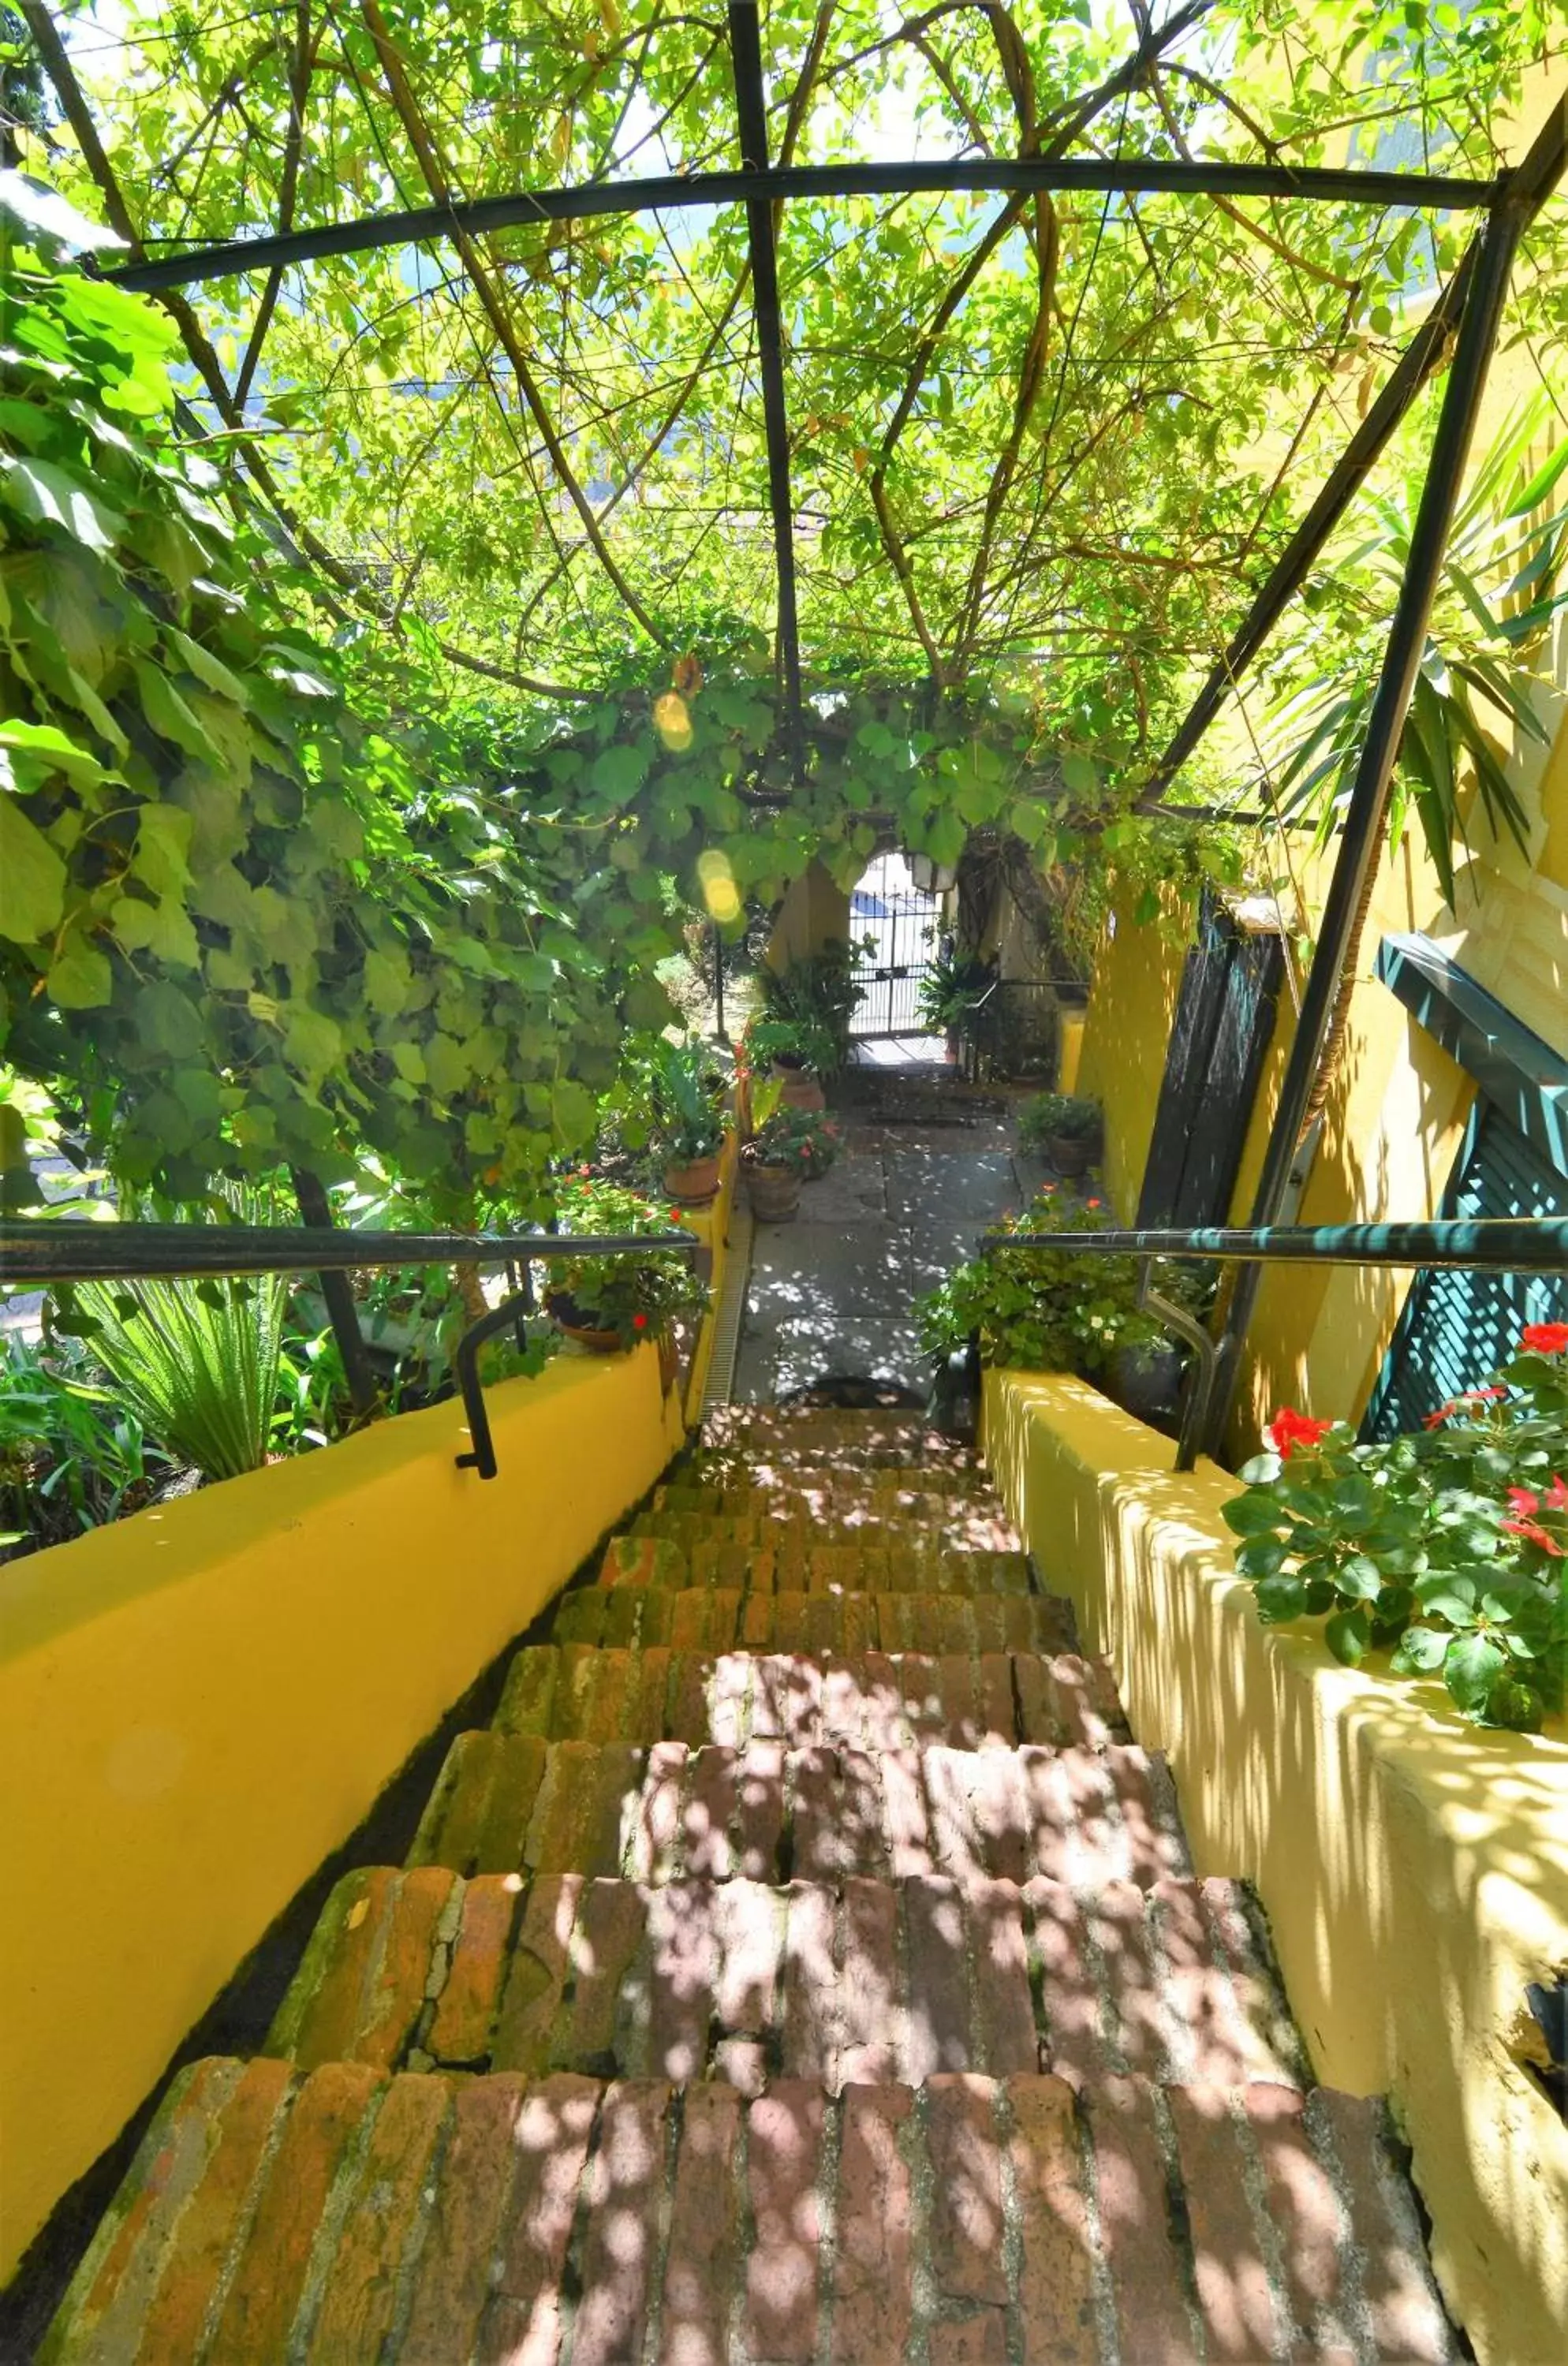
(895, 928)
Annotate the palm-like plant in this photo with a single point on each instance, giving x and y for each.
(1500, 588)
(196, 1361)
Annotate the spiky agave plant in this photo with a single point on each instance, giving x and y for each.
(197, 1362)
(1502, 583)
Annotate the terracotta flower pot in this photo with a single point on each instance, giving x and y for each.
(801, 1089)
(696, 1185)
(581, 1323)
(1069, 1156)
(773, 1191)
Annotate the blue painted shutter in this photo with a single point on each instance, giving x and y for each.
(1457, 1327)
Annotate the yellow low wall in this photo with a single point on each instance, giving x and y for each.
(199, 1704)
(1414, 1869)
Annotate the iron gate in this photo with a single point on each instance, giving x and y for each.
(894, 937)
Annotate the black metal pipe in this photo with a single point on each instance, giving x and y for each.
(476, 217)
(1494, 1243)
(37, 1251)
(338, 1293)
(751, 107)
(1361, 843)
(508, 1315)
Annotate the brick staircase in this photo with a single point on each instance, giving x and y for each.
(805, 1966)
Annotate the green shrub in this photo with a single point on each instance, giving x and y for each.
(633, 1297)
(1065, 1115)
(951, 987)
(682, 1093)
(815, 997)
(1046, 1310)
(73, 1456)
(1449, 1547)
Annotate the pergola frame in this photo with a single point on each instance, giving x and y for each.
(1464, 319)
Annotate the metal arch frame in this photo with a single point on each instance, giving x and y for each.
(1469, 311)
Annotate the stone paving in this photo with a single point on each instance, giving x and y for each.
(832, 1292)
(804, 1965)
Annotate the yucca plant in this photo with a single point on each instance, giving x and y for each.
(1500, 588)
(197, 1362)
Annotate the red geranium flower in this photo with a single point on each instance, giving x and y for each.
(639, 1321)
(1533, 1533)
(1458, 1404)
(1091, 1203)
(1523, 1501)
(1290, 1429)
(1545, 1338)
(1557, 1495)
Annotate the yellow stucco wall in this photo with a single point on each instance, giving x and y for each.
(1397, 1113)
(197, 1705)
(1132, 1004)
(1413, 1869)
(815, 913)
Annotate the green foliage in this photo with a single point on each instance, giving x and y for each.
(803, 1141)
(951, 985)
(1045, 1310)
(636, 1297)
(73, 1453)
(1065, 1115)
(196, 1361)
(815, 996)
(1449, 1549)
(1503, 582)
(681, 1092)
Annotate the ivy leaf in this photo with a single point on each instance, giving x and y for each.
(207, 668)
(32, 876)
(171, 717)
(81, 979)
(163, 845)
(43, 747)
(49, 495)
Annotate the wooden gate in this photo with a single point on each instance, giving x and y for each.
(1225, 1019)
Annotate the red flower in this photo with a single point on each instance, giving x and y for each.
(1091, 1203)
(1545, 1338)
(1533, 1533)
(1523, 1501)
(639, 1321)
(1458, 1404)
(1289, 1429)
(1557, 1495)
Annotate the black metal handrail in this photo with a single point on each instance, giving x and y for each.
(37, 1250)
(1494, 1243)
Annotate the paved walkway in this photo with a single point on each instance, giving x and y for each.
(833, 1293)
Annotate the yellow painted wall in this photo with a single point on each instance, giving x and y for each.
(199, 1704)
(711, 1226)
(815, 913)
(1413, 1869)
(1132, 1006)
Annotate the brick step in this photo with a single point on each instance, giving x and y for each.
(794, 1538)
(342, 2215)
(514, 1803)
(795, 1564)
(724, 1619)
(813, 1496)
(788, 1474)
(862, 1981)
(851, 1441)
(871, 1700)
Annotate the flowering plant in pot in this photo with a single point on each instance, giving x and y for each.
(789, 1147)
(607, 1302)
(1065, 1127)
(1447, 1548)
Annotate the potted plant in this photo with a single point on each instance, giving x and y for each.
(790, 1147)
(817, 995)
(952, 986)
(609, 1303)
(786, 1050)
(1067, 1128)
(685, 1096)
(1045, 1310)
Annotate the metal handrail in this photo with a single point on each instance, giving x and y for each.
(1495, 1243)
(36, 1250)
